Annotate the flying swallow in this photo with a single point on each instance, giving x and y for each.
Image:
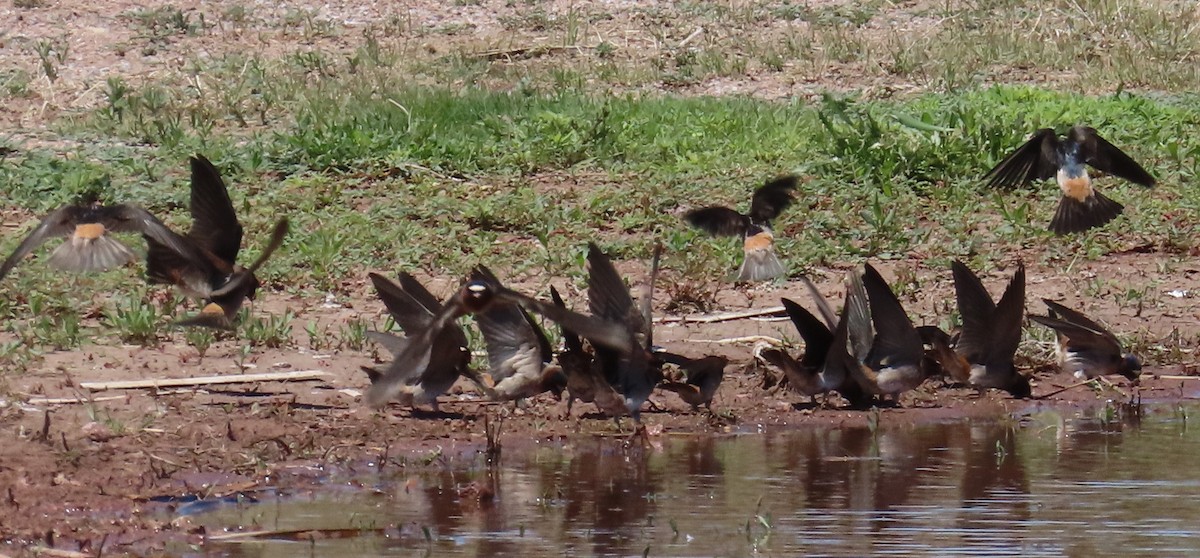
(982, 355)
(1045, 155)
(760, 263)
(203, 263)
(89, 246)
(520, 358)
(474, 297)
(413, 308)
(702, 377)
(890, 355)
(1086, 348)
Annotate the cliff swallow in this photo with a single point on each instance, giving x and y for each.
(204, 263)
(890, 355)
(1086, 348)
(1045, 155)
(631, 372)
(990, 333)
(586, 381)
(520, 358)
(446, 356)
(474, 297)
(702, 377)
(89, 246)
(760, 263)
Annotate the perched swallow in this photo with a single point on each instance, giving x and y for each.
(89, 247)
(702, 377)
(413, 308)
(760, 263)
(585, 377)
(982, 355)
(632, 373)
(824, 367)
(474, 297)
(889, 356)
(1086, 348)
(1045, 155)
(203, 264)
(520, 359)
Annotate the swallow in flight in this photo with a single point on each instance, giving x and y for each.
(1046, 155)
(760, 262)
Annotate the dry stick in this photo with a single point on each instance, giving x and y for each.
(726, 317)
(1178, 377)
(1060, 390)
(297, 375)
(736, 340)
(699, 31)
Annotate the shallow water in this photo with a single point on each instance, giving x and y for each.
(1078, 483)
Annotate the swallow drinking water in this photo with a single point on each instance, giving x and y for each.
(702, 377)
(888, 350)
(1046, 155)
(477, 296)
(586, 380)
(1086, 348)
(760, 263)
(89, 246)
(203, 263)
(982, 354)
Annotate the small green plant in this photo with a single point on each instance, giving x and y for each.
(135, 320)
(273, 331)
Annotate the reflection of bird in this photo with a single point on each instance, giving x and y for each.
(477, 296)
(702, 377)
(412, 307)
(89, 247)
(520, 359)
(982, 355)
(890, 355)
(1045, 155)
(760, 263)
(203, 264)
(1086, 348)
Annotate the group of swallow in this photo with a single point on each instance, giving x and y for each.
(870, 350)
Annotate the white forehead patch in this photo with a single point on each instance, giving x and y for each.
(477, 288)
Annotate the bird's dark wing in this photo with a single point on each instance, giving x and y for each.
(131, 218)
(214, 223)
(718, 221)
(816, 335)
(608, 297)
(1036, 159)
(1076, 317)
(977, 310)
(856, 314)
(896, 340)
(1105, 156)
(405, 309)
(513, 340)
(771, 199)
(59, 222)
(831, 317)
(244, 277)
(647, 299)
(570, 338)
(1081, 337)
(420, 356)
(1006, 323)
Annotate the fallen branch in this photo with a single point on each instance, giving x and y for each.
(1178, 377)
(58, 553)
(736, 340)
(525, 52)
(70, 400)
(293, 376)
(774, 312)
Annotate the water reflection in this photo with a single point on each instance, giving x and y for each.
(1046, 485)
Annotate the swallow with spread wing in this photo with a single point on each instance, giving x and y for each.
(474, 297)
(1046, 155)
(702, 377)
(447, 357)
(520, 359)
(203, 264)
(1086, 348)
(88, 245)
(888, 351)
(760, 262)
(586, 381)
(982, 354)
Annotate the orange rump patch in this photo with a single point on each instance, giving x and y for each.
(89, 231)
(1079, 188)
(213, 308)
(760, 241)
